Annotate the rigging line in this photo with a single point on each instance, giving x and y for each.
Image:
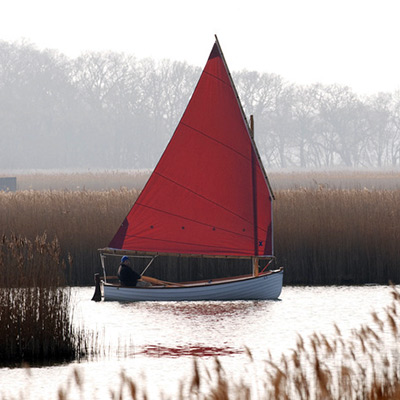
(202, 197)
(235, 249)
(148, 265)
(201, 223)
(255, 208)
(215, 140)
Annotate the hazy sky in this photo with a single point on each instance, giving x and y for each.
(350, 42)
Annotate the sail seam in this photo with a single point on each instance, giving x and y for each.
(202, 223)
(204, 198)
(216, 141)
(233, 249)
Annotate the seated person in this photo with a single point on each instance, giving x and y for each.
(126, 275)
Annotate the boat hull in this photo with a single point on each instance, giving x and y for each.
(263, 287)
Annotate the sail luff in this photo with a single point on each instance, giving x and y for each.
(249, 130)
(233, 86)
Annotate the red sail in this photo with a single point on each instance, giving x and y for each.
(208, 194)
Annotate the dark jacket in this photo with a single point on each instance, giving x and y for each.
(127, 276)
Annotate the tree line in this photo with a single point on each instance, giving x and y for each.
(112, 111)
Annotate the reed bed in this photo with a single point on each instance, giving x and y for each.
(136, 179)
(362, 366)
(322, 236)
(339, 179)
(77, 181)
(83, 221)
(35, 307)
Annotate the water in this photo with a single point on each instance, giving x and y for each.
(155, 343)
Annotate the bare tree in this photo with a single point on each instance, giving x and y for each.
(110, 110)
(394, 143)
(344, 133)
(307, 125)
(265, 96)
(35, 99)
(380, 126)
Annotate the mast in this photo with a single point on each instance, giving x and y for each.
(254, 185)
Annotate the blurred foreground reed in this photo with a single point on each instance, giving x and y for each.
(322, 236)
(35, 306)
(364, 366)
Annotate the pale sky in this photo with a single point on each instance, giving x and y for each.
(349, 42)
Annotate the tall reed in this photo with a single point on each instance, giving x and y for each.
(35, 307)
(338, 236)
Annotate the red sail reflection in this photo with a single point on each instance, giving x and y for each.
(193, 351)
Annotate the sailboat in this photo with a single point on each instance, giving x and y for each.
(208, 196)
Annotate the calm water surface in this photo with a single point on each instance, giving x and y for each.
(155, 342)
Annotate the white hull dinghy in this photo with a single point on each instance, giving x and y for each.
(264, 287)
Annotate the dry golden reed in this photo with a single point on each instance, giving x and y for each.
(340, 179)
(338, 236)
(323, 234)
(35, 307)
(82, 221)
